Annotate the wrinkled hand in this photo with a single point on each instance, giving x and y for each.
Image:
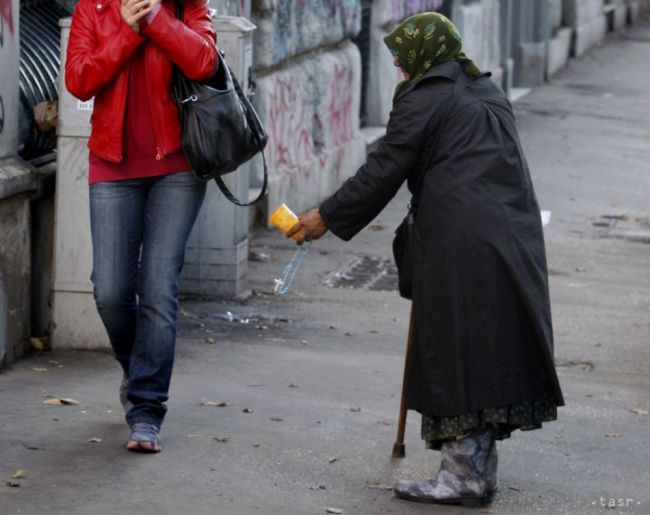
(134, 10)
(310, 227)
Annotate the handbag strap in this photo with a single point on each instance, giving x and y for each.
(461, 80)
(265, 184)
(229, 195)
(222, 185)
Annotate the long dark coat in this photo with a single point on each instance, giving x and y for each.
(482, 314)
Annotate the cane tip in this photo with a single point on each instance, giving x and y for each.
(399, 450)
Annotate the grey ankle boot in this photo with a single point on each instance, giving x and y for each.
(463, 475)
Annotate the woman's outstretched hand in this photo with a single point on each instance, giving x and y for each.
(310, 227)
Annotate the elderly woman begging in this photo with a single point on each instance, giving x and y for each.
(482, 359)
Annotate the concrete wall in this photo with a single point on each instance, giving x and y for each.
(559, 45)
(310, 109)
(589, 23)
(286, 28)
(479, 26)
(232, 7)
(15, 245)
(15, 180)
(9, 54)
(308, 94)
(383, 76)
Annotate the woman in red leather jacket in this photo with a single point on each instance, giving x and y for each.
(143, 200)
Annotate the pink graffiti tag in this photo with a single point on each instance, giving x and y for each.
(289, 121)
(5, 13)
(340, 106)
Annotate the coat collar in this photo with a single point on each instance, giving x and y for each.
(450, 70)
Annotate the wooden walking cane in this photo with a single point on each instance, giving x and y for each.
(399, 450)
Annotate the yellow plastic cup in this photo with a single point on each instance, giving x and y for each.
(284, 219)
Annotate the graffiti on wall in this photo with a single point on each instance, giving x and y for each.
(400, 9)
(307, 117)
(340, 105)
(291, 27)
(288, 125)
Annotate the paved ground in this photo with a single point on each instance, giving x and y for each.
(321, 368)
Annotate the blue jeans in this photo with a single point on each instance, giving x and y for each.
(140, 229)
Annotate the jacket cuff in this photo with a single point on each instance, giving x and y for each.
(327, 210)
(132, 38)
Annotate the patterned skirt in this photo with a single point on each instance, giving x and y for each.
(526, 416)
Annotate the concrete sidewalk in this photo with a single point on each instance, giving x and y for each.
(321, 368)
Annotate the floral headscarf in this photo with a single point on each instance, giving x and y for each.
(423, 41)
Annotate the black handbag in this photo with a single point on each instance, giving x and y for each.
(404, 241)
(220, 129)
(403, 254)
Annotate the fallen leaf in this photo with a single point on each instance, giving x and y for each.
(256, 445)
(379, 486)
(337, 511)
(355, 410)
(13, 484)
(222, 439)
(516, 488)
(333, 459)
(611, 435)
(216, 404)
(293, 385)
(277, 419)
(19, 474)
(247, 410)
(95, 440)
(60, 402)
(37, 369)
(639, 411)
